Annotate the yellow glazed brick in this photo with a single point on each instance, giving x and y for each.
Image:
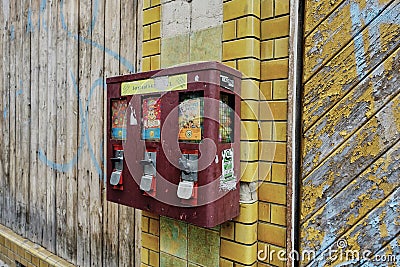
(279, 133)
(281, 47)
(249, 171)
(247, 47)
(273, 193)
(225, 263)
(35, 261)
(275, 28)
(246, 254)
(145, 255)
(274, 69)
(279, 173)
(155, 62)
(281, 7)
(266, 90)
(150, 241)
(151, 47)
(248, 213)
(154, 227)
(249, 110)
(248, 151)
(246, 233)
(249, 130)
(231, 63)
(145, 224)
(146, 61)
(155, 2)
(250, 68)
(146, 33)
(273, 110)
(250, 89)
(272, 234)
(267, 49)
(146, 4)
(264, 172)
(280, 152)
(263, 249)
(151, 15)
(228, 230)
(229, 30)
(43, 264)
(264, 211)
(240, 8)
(150, 215)
(280, 89)
(155, 30)
(274, 258)
(267, 9)
(248, 27)
(154, 259)
(278, 214)
(266, 130)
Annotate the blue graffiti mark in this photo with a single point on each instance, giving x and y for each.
(65, 167)
(19, 92)
(5, 112)
(29, 25)
(12, 32)
(43, 4)
(94, 16)
(115, 55)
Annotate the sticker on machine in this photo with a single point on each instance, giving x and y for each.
(228, 178)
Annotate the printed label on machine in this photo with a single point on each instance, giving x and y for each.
(118, 111)
(228, 178)
(190, 120)
(151, 118)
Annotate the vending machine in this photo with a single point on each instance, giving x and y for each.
(173, 142)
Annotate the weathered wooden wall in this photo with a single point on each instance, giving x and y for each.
(55, 55)
(351, 132)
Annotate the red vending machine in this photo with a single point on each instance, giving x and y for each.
(174, 142)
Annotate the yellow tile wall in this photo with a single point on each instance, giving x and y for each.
(14, 248)
(255, 41)
(151, 51)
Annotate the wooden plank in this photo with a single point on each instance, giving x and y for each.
(381, 227)
(111, 220)
(351, 158)
(353, 203)
(128, 51)
(11, 218)
(25, 118)
(61, 151)
(52, 15)
(20, 216)
(345, 70)
(84, 162)
(95, 131)
(43, 118)
(316, 11)
(3, 109)
(34, 194)
(337, 30)
(70, 10)
(348, 115)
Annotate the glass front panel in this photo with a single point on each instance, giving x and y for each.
(118, 119)
(151, 110)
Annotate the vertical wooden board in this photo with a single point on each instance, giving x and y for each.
(41, 208)
(3, 107)
(6, 83)
(50, 233)
(11, 218)
(20, 215)
(69, 16)
(34, 226)
(61, 157)
(25, 115)
(112, 41)
(128, 50)
(84, 171)
(95, 133)
(69, 10)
